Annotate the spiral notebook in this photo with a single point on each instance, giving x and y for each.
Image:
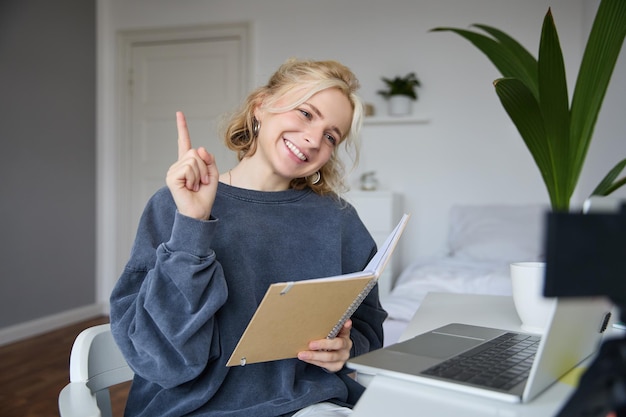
(294, 313)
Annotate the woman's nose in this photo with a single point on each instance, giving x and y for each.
(313, 137)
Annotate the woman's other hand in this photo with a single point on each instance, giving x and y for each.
(193, 178)
(330, 354)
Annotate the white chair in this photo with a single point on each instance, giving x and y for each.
(96, 364)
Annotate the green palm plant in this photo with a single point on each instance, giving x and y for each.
(534, 94)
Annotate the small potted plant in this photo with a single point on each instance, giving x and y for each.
(400, 93)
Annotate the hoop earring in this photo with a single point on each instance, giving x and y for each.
(256, 126)
(317, 178)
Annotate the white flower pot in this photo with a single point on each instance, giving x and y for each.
(400, 105)
(533, 309)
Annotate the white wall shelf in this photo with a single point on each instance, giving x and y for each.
(391, 120)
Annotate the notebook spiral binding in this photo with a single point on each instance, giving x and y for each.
(351, 309)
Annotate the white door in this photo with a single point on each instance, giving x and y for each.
(205, 77)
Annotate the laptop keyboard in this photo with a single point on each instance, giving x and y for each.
(501, 363)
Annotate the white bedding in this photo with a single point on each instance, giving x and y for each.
(482, 242)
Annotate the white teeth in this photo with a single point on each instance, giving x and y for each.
(295, 150)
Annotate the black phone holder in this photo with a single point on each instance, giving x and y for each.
(586, 257)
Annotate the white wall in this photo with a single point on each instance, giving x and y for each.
(469, 152)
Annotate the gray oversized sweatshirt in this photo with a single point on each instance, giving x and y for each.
(190, 288)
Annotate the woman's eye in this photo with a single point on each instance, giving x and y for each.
(331, 139)
(308, 115)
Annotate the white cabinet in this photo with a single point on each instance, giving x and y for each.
(380, 211)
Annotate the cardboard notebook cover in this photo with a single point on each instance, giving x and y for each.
(294, 313)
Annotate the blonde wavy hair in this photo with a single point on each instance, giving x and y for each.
(311, 77)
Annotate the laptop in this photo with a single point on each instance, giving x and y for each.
(446, 357)
(573, 334)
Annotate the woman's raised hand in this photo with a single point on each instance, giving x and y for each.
(193, 178)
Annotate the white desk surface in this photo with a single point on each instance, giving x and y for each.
(397, 398)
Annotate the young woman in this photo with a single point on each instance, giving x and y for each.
(209, 245)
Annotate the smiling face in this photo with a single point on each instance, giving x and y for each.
(298, 142)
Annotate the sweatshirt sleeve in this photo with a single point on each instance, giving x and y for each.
(367, 325)
(164, 304)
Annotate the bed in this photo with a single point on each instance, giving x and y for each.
(482, 241)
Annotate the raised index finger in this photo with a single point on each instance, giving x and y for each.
(184, 142)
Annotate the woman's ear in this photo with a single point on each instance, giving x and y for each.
(258, 112)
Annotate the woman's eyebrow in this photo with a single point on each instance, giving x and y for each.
(321, 116)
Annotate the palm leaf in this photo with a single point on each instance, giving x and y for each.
(524, 110)
(528, 63)
(554, 105)
(502, 52)
(608, 183)
(601, 53)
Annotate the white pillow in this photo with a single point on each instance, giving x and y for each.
(508, 233)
